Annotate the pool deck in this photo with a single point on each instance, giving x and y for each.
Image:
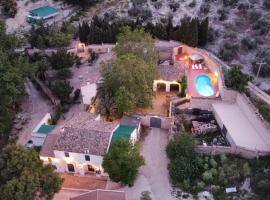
(192, 75)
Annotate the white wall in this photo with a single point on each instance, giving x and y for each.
(133, 136)
(167, 83)
(88, 92)
(44, 120)
(78, 160)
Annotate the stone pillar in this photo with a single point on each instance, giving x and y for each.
(167, 86)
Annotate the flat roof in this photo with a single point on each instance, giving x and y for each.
(241, 129)
(43, 11)
(123, 132)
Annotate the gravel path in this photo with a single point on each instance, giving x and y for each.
(154, 175)
(36, 107)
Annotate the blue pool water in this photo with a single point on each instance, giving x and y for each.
(204, 86)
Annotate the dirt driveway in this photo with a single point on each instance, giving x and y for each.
(154, 175)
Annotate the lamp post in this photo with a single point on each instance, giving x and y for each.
(260, 66)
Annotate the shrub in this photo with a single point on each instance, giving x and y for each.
(248, 43)
(262, 26)
(10, 7)
(138, 2)
(145, 195)
(236, 79)
(64, 73)
(223, 14)
(213, 163)
(205, 8)
(260, 184)
(174, 6)
(140, 12)
(77, 94)
(192, 4)
(228, 51)
(231, 3)
(254, 15)
(266, 4)
(61, 59)
(183, 86)
(185, 163)
(212, 34)
(207, 176)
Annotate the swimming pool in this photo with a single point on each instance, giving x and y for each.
(204, 86)
(42, 13)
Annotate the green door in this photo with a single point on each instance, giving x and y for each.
(155, 122)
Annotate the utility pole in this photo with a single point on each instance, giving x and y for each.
(260, 66)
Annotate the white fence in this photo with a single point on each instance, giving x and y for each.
(240, 151)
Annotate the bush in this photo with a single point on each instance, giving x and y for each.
(260, 184)
(231, 3)
(207, 176)
(185, 164)
(236, 79)
(254, 15)
(228, 51)
(138, 2)
(61, 59)
(248, 43)
(183, 86)
(266, 4)
(145, 195)
(205, 8)
(192, 4)
(262, 26)
(212, 34)
(63, 73)
(223, 14)
(174, 6)
(10, 7)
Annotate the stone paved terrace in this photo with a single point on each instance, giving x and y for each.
(83, 182)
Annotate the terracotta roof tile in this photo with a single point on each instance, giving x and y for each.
(83, 133)
(47, 148)
(101, 195)
(170, 72)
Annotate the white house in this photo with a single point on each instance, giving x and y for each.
(79, 145)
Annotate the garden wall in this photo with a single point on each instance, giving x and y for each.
(243, 152)
(166, 122)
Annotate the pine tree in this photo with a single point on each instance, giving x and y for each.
(203, 32)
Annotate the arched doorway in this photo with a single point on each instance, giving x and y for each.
(174, 87)
(71, 168)
(161, 87)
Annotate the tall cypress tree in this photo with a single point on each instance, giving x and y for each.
(193, 29)
(203, 31)
(84, 31)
